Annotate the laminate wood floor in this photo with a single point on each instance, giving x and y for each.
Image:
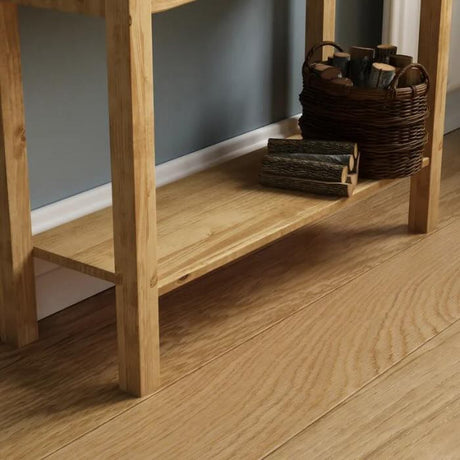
(340, 341)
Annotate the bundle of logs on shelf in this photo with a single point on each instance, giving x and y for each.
(319, 167)
(368, 68)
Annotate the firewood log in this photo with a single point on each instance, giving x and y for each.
(306, 185)
(326, 72)
(360, 65)
(381, 75)
(299, 167)
(383, 53)
(342, 61)
(341, 160)
(314, 147)
(412, 77)
(344, 82)
(401, 60)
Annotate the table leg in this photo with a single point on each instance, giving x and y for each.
(435, 26)
(130, 75)
(18, 312)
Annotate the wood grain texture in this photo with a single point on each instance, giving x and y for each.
(341, 160)
(435, 26)
(93, 7)
(18, 312)
(413, 411)
(308, 186)
(320, 26)
(130, 75)
(295, 145)
(163, 5)
(204, 221)
(265, 391)
(66, 384)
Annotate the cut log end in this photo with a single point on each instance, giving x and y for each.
(384, 51)
(381, 75)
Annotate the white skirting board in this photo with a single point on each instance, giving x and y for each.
(59, 288)
(453, 110)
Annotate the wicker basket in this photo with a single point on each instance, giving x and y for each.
(388, 124)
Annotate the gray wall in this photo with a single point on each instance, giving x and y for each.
(222, 68)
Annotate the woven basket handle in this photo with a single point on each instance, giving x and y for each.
(395, 83)
(317, 47)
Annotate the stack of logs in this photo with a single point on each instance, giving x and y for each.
(319, 167)
(368, 68)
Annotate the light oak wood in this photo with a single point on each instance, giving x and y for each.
(268, 389)
(204, 221)
(18, 313)
(320, 26)
(435, 26)
(65, 385)
(93, 7)
(411, 411)
(129, 57)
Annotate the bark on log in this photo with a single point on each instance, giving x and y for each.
(412, 77)
(357, 52)
(340, 160)
(401, 60)
(360, 65)
(326, 72)
(296, 167)
(383, 53)
(344, 82)
(309, 186)
(342, 61)
(381, 75)
(314, 147)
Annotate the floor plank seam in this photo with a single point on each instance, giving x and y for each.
(359, 390)
(271, 326)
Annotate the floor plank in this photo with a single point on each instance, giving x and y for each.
(413, 411)
(250, 400)
(65, 385)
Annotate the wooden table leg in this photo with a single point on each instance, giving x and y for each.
(130, 75)
(435, 26)
(320, 25)
(18, 312)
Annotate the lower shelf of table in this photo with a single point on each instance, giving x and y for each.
(204, 222)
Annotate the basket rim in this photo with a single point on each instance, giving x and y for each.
(357, 93)
(362, 94)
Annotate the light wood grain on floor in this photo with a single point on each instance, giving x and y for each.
(413, 411)
(255, 397)
(252, 354)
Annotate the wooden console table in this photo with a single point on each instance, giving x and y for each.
(201, 222)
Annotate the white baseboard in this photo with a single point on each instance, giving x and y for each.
(57, 287)
(453, 111)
